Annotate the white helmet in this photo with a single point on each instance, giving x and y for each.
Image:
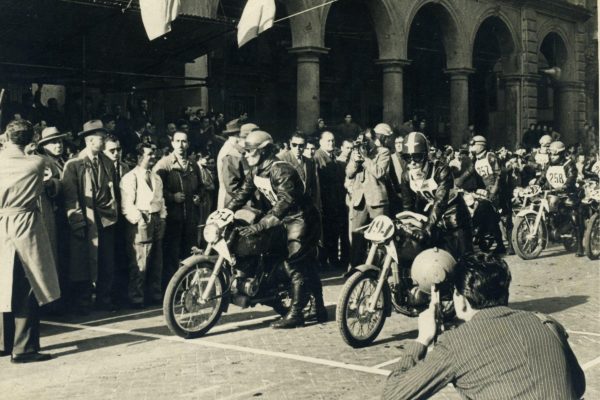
(430, 267)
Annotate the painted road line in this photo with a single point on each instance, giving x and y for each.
(385, 364)
(583, 333)
(216, 345)
(249, 393)
(590, 364)
(122, 316)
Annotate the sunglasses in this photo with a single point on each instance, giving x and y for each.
(301, 145)
(418, 157)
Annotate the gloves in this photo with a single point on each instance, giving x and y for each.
(268, 221)
(421, 235)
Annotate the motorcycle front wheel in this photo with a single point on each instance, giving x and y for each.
(591, 238)
(358, 326)
(184, 314)
(527, 244)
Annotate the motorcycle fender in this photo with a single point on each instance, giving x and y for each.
(196, 259)
(525, 212)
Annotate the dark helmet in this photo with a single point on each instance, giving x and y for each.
(414, 143)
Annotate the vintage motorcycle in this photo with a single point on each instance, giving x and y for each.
(245, 271)
(384, 282)
(544, 217)
(591, 209)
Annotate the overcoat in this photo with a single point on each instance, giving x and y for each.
(22, 230)
(79, 191)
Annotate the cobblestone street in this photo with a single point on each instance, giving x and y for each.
(132, 355)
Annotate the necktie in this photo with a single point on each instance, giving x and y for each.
(117, 171)
(96, 166)
(149, 179)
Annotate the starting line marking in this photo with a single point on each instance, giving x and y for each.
(385, 364)
(590, 364)
(216, 345)
(584, 333)
(122, 316)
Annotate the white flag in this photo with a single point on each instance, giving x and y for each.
(257, 17)
(157, 16)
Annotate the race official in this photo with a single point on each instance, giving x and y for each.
(497, 354)
(144, 208)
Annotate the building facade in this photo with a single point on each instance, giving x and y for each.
(498, 64)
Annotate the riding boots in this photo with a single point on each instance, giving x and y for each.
(294, 318)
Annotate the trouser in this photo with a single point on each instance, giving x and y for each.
(145, 254)
(121, 275)
(106, 264)
(359, 216)
(487, 221)
(335, 239)
(180, 237)
(20, 329)
(458, 241)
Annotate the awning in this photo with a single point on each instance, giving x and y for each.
(101, 42)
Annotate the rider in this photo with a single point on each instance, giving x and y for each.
(426, 188)
(561, 175)
(282, 192)
(541, 156)
(487, 166)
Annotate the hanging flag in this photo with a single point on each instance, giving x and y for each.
(157, 16)
(257, 17)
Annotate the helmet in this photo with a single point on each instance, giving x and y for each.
(557, 147)
(383, 129)
(430, 267)
(479, 140)
(247, 128)
(546, 139)
(415, 142)
(257, 140)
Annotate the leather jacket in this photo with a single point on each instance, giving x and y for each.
(446, 208)
(280, 187)
(570, 171)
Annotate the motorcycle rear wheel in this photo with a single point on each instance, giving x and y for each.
(591, 238)
(184, 314)
(357, 325)
(528, 248)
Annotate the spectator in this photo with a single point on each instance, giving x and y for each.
(139, 135)
(144, 208)
(348, 129)
(321, 127)
(331, 177)
(182, 186)
(310, 149)
(397, 167)
(367, 171)
(90, 202)
(499, 353)
(27, 269)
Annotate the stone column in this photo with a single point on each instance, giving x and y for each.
(569, 95)
(393, 90)
(197, 96)
(308, 86)
(459, 104)
(513, 112)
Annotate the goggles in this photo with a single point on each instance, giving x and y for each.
(417, 157)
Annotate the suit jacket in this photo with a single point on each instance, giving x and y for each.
(80, 196)
(368, 179)
(22, 229)
(500, 354)
(308, 172)
(331, 178)
(230, 172)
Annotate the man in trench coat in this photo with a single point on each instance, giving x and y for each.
(28, 275)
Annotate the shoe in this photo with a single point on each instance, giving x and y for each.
(290, 321)
(294, 318)
(4, 353)
(29, 358)
(579, 254)
(317, 313)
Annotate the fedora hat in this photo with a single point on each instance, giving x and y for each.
(91, 127)
(49, 134)
(232, 128)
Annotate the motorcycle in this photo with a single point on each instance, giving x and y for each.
(245, 271)
(591, 209)
(384, 282)
(543, 217)
(486, 241)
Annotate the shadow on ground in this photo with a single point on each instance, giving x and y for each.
(550, 305)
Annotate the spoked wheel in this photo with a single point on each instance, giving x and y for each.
(591, 238)
(185, 315)
(359, 326)
(526, 243)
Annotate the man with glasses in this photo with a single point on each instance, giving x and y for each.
(426, 188)
(498, 353)
(144, 208)
(305, 167)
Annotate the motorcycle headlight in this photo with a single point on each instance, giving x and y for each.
(211, 233)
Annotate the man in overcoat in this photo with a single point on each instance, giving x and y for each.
(27, 270)
(89, 193)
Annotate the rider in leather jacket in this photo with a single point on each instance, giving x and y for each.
(561, 174)
(282, 193)
(427, 188)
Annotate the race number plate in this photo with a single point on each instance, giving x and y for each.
(556, 177)
(221, 218)
(381, 229)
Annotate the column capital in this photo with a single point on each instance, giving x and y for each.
(308, 51)
(458, 73)
(393, 62)
(532, 78)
